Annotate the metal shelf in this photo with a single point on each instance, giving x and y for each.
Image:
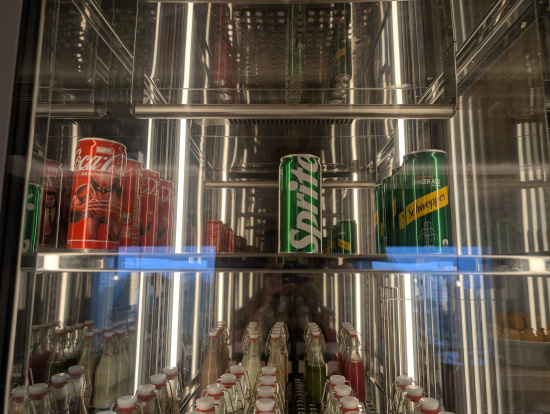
(307, 264)
(275, 184)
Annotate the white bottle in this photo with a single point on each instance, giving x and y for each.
(106, 375)
(123, 365)
(174, 386)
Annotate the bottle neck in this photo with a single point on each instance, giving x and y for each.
(108, 346)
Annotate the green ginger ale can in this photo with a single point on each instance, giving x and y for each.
(427, 209)
(388, 216)
(32, 216)
(346, 241)
(379, 219)
(300, 204)
(398, 207)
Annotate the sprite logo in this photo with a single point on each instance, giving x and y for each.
(305, 187)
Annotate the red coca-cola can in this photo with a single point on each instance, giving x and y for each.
(165, 215)
(221, 60)
(214, 236)
(66, 194)
(150, 181)
(229, 242)
(96, 202)
(131, 203)
(51, 202)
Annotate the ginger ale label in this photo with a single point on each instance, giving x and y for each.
(427, 204)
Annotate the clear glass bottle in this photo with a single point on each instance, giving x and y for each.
(132, 345)
(58, 359)
(36, 365)
(354, 368)
(70, 349)
(265, 405)
(328, 392)
(269, 393)
(63, 393)
(87, 360)
(398, 392)
(242, 382)
(333, 404)
(342, 342)
(39, 398)
(82, 388)
(78, 337)
(88, 326)
(349, 404)
(205, 405)
(233, 401)
(123, 365)
(412, 399)
(216, 391)
(284, 346)
(428, 406)
(316, 369)
(148, 400)
(127, 404)
(210, 369)
(175, 386)
(106, 375)
(18, 401)
(159, 381)
(275, 356)
(252, 364)
(98, 344)
(223, 336)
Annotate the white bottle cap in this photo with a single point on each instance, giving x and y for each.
(279, 323)
(79, 325)
(132, 328)
(265, 404)
(88, 334)
(108, 328)
(315, 333)
(352, 332)
(70, 328)
(76, 370)
(171, 371)
(98, 332)
(253, 323)
(59, 331)
(269, 370)
(237, 369)
(228, 379)
(266, 392)
(127, 401)
(342, 390)
(212, 334)
(429, 404)
(312, 325)
(275, 335)
(157, 379)
(120, 332)
(205, 403)
(60, 378)
(146, 390)
(269, 381)
(38, 389)
(108, 334)
(254, 335)
(337, 379)
(414, 390)
(349, 402)
(19, 392)
(214, 389)
(88, 323)
(276, 329)
(404, 380)
(346, 324)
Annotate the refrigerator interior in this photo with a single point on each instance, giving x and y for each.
(466, 77)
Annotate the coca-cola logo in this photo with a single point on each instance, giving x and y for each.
(100, 163)
(150, 185)
(167, 194)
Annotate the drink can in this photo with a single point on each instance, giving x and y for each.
(387, 206)
(131, 204)
(333, 239)
(347, 236)
(379, 219)
(66, 193)
(150, 183)
(166, 214)
(221, 60)
(398, 207)
(341, 58)
(300, 204)
(51, 201)
(427, 210)
(213, 236)
(96, 202)
(296, 37)
(32, 215)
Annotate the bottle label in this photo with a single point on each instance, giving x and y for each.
(427, 204)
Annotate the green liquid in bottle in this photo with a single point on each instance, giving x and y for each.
(316, 376)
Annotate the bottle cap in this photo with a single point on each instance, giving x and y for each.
(346, 325)
(266, 392)
(275, 335)
(35, 328)
(157, 379)
(38, 389)
(269, 381)
(404, 380)
(70, 328)
(108, 334)
(19, 392)
(269, 370)
(252, 324)
(59, 331)
(214, 390)
(265, 404)
(108, 328)
(237, 369)
(352, 332)
(98, 332)
(254, 335)
(228, 379)
(146, 390)
(315, 333)
(337, 379)
(60, 379)
(212, 334)
(429, 403)
(342, 390)
(120, 332)
(88, 334)
(349, 402)
(128, 401)
(88, 323)
(170, 371)
(76, 371)
(79, 325)
(414, 390)
(205, 403)
(280, 324)
(312, 325)
(132, 328)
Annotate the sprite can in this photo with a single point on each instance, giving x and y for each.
(379, 219)
(346, 241)
(427, 210)
(300, 204)
(387, 208)
(398, 207)
(32, 216)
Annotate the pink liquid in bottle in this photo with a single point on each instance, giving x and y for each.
(355, 374)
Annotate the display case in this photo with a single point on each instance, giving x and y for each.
(352, 188)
